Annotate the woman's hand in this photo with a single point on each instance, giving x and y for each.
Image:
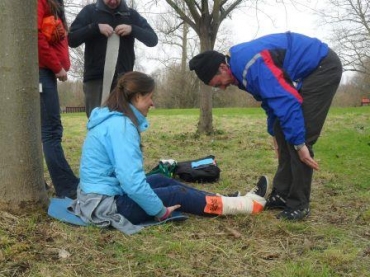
(305, 157)
(62, 75)
(169, 211)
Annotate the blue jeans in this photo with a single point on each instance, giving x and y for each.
(171, 192)
(62, 176)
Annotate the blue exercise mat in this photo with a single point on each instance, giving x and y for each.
(58, 209)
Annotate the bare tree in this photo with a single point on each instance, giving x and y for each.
(177, 85)
(350, 93)
(205, 18)
(350, 23)
(21, 174)
(176, 88)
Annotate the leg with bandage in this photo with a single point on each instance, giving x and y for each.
(251, 203)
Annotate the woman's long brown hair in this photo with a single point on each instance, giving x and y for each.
(57, 9)
(129, 85)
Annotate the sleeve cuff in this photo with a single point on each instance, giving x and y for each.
(161, 213)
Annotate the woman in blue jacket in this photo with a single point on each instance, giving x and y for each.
(295, 77)
(114, 189)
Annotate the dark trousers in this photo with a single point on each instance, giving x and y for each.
(93, 93)
(93, 90)
(171, 192)
(64, 180)
(293, 178)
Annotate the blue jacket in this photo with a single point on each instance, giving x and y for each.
(272, 68)
(112, 161)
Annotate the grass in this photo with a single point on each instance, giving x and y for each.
(333, 241)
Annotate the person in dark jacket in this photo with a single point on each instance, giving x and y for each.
(295, 77)
(94, 24)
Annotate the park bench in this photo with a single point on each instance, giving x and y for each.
(75, 109)
(365, 101)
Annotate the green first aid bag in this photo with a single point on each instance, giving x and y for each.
(164, 167)
(203, 170)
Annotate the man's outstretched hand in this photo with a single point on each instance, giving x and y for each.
(305, 157)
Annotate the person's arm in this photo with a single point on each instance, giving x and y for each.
(281, 98)
(47, 55)
(127, 160)
(62, 75)
(142, 31)
(167, 214)
(270, 117)
(82, 28)
(284, 101)
(305, 157)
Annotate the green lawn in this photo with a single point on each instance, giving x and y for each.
(333, 241)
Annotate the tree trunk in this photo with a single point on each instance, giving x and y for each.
(205, 125)
(21, 175)
(205, 18)
(184, 48)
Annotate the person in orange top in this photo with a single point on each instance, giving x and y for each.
(54, 63)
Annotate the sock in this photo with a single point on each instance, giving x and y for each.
(221, 205)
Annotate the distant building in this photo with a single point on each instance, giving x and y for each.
(365, 101)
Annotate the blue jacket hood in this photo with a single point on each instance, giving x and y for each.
(99, 115)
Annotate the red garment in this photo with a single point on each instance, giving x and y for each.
(52, 56)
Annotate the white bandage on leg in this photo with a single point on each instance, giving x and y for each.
(257, 198)
(248, 204)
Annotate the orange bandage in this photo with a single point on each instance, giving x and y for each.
(213, 205)
(257, 207)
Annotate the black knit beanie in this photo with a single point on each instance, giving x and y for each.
(206, 64)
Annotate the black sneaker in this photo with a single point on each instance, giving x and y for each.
(261, 187)
(275, 201)
(291, 214)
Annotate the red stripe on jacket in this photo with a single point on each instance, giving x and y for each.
(278, 73)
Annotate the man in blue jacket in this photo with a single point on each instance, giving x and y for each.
(94, 24)
(295, 77)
